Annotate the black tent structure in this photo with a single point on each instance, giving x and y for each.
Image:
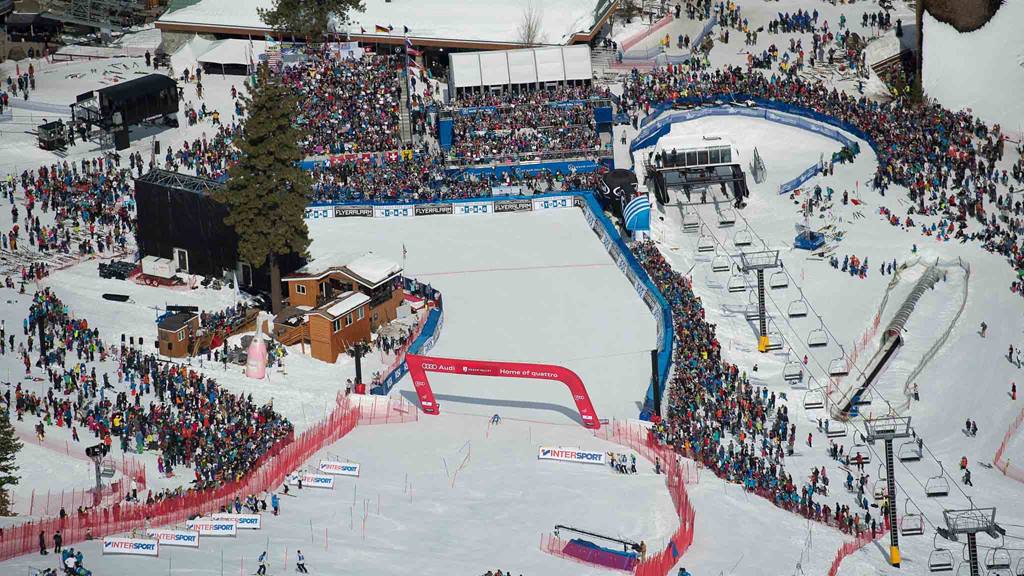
(116, 108)
(616, 189)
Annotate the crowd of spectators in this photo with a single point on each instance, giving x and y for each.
(717, 417)
(947, 160)
(346, 105)
(183, 415)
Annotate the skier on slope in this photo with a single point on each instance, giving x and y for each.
(300, 565)
(263, 564)
(275, 504)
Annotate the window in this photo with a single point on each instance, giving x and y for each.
(181, 335)
(323, 288)
(691, 158)
(702, 157)
(336, 325)
(300, 289)
(348, 319)
(715, 156)
(726, 154)
(361, 313)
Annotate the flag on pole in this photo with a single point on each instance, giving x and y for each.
(405, 29)
(413, 52)
(381, 29)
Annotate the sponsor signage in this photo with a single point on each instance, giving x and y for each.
(243, 521)
(339, 468)
(211, 527)
(183, 538)
(551, 203)
(132, 546)
(431, 209)
(318, 212)
(473, 208)
(313, 480)
(513, 205)
(570, 455)
(392, 211)
(349, 211)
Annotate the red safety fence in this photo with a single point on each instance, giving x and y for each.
(128, 467)
(851, 359)
(386, 410)
(269, 472)
(52, 503)
(849, 548)
(1000, 460)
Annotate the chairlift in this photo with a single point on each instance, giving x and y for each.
(721, 263)
(940, 559)
(726, 218)
(998, 558)
(814, 399)
(835, 429)
(752, 312)
(912, 523)
(818, 337)
(691, 223)
(910, 451)
(838, 367)
(880, 488)
(705, 243)
(742, 238)
(737, 283)
(775, 341)
(778, 280)
(797, 308)
(937, 486)
(793, 371)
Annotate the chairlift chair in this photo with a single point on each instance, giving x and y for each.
(691, 223)
(912, 523)
(705, 243)
(910, 452)
(742, 238)
(726, 218)
(818, 338)
(937, 486)
(752, 312)
(797, 308)
(737, 283)
(835, 429)
(793, 371)
(720, 263)
(778, 280)
(775, 342)
(814, 399)
(940, 559)
(838, 367)
(998, 558)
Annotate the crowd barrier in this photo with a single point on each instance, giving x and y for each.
(1000, 461)
(269, 471)
(378, 410)
(849, 548)
(640, 36)
(583, 199)
(133, 476)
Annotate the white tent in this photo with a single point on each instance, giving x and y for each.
(233, 51)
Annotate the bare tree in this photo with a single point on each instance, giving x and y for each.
(530, 28)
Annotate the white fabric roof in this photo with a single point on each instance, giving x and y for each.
(233, 51)
(347, 302)
(525, 66)
(444, 19)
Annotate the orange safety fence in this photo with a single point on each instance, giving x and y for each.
(849, 548)
(386, 410)
(269, 471)
(1000, 460)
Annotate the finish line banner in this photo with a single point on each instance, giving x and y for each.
(571, 455)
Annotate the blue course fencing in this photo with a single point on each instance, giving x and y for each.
(583, 199)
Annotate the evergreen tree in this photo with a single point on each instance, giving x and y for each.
(9, 447)
(267, 192)
(310, 19)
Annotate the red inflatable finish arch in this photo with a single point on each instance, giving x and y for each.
(420, 365)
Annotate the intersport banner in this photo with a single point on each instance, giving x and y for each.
(181, 538)
(211, 527)
(571, 455)
(132, 546)
(339, 468)
(313, 480)
(243, 521)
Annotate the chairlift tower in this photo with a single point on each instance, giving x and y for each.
(887, 429)
(970, 522)
(759, 262)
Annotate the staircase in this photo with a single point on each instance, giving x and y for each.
(404, 117)
(602, 59)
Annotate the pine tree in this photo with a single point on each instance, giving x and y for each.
(267, 192)
(9, 447)
(310, 19)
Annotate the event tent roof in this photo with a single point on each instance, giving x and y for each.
(233, 51)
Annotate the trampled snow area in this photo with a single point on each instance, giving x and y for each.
(960, 69)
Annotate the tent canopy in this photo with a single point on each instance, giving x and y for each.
(233, 51)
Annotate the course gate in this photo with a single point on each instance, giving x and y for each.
(420, 365)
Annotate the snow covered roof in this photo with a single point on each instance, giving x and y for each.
(342, 305)
(373, 269)
(449, 20)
